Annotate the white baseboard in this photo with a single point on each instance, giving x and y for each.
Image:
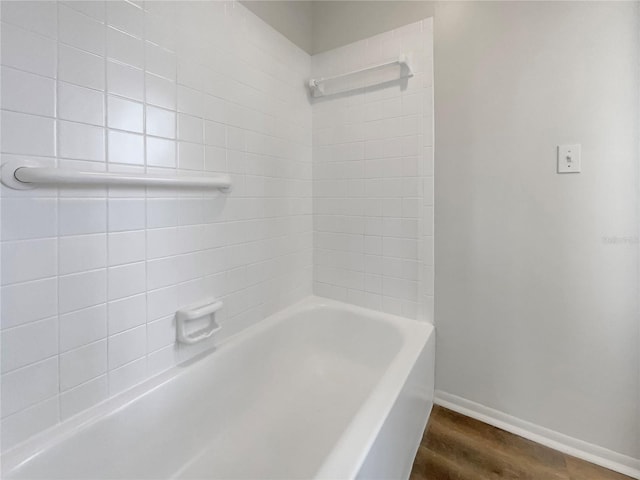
(550, 438)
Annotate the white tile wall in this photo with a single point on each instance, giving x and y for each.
(373, 177)
(91, 277)
(206, 87)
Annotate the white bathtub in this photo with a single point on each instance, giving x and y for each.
(319, 390)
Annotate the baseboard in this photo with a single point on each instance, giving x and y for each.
(571, 446)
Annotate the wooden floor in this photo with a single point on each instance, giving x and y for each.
(456, 447)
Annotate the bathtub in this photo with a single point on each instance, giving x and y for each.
(319, 390)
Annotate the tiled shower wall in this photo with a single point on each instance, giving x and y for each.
(91, 278)
(373, 177)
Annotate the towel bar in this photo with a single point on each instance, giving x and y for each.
(22, 175)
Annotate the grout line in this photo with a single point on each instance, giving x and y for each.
(146, 190)
(107, 190)
(57, 211)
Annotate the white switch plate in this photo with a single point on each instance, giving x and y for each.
(569, 159)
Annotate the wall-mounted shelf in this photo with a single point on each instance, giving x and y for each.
(316, 85)
(23, 175)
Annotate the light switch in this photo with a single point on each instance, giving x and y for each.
(569, 159)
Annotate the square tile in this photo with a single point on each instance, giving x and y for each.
(29, 218)
(126, 16)
(125, 114)
(160, 91)
(126, 214)
(27, 386)
(160, 122)
(27, 93)
(127, 313)
(80, 68)
(82, 364)
(125, 81)
(27, 51)
(26, 260)
(80, 31)
(81, 141)
(82, 216)
(84, 396)
(126, 247)
(29, 343)
(35, 16)
(18, 306)
(124, 48)
(27, 134)
(82, 252)
(127, 280)
(82, 290)
(161, 152)
(83, 327)
(126, 148)
(80, 104)
(127, 346)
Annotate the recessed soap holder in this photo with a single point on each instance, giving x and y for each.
(194, 312)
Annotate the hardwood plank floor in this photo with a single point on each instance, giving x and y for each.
(456, 447)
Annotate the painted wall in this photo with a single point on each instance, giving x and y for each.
(337, 23)
(373, 176)
(292, 18)
(91, 278)
(318, 26)
(536, 277)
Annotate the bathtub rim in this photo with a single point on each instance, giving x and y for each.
(350, 451)
(341, 458)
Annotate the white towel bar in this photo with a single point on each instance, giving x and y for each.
(25, 175)
(317, 89)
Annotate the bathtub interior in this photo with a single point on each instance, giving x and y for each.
(241, 411)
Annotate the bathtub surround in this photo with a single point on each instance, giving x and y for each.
(373, 177)
(91, 277)
(196, 88)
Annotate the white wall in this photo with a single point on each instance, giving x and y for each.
(292, 18)
(91, 278)
(337, 23)
(536, 311)
(373, 176)
(318, 26)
